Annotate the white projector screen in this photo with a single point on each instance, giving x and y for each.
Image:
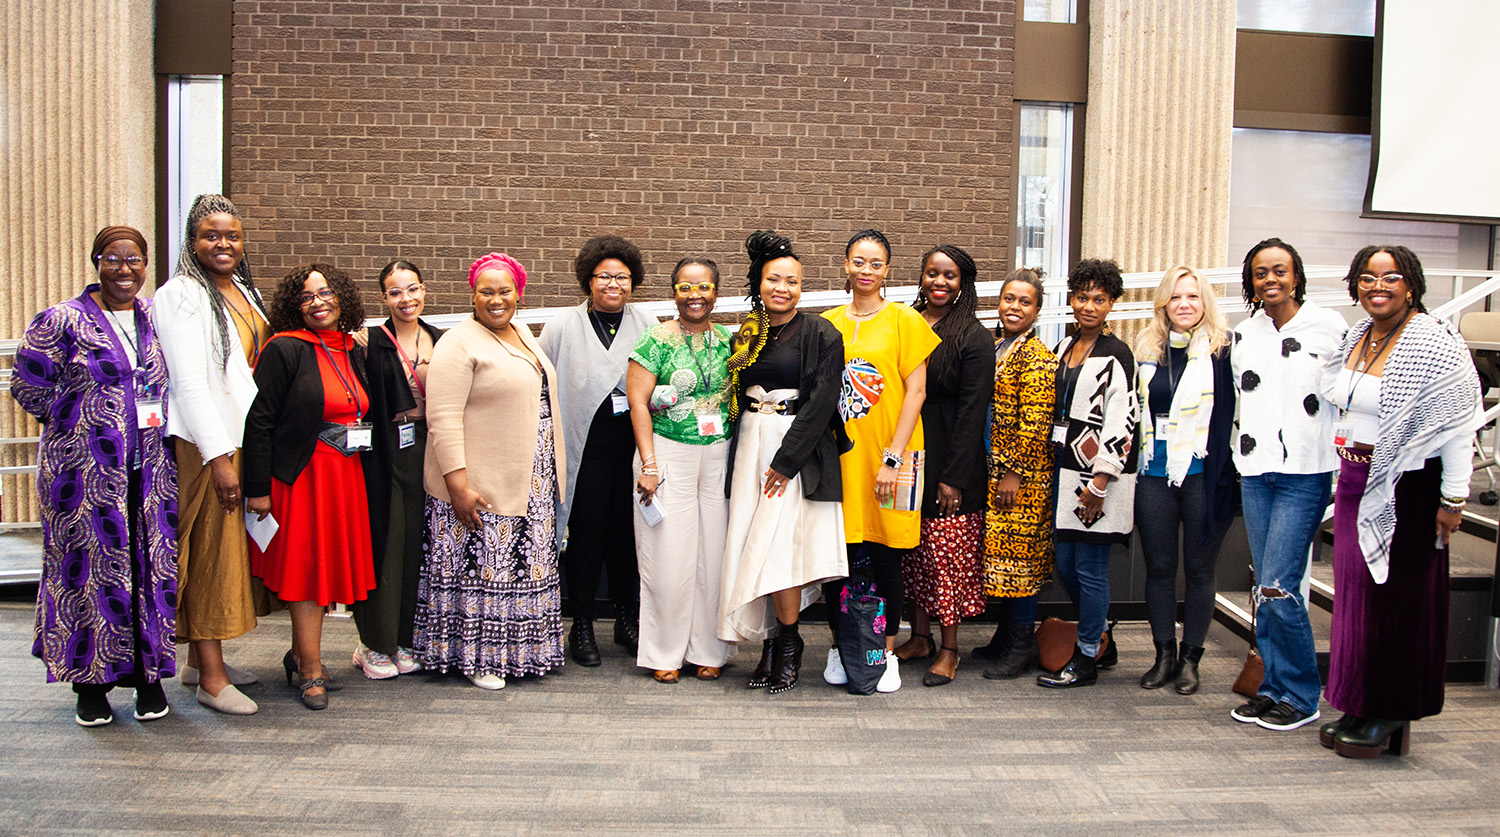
(1435, 132)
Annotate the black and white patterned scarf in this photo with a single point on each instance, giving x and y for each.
(1429, 395)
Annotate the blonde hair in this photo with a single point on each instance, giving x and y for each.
(1151, 342)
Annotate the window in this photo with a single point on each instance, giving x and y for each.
(195, 146)
(1050, 11)
(1044, 186)
(1329, 17)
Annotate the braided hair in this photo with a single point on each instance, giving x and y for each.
(189, 268)
(1247, 273)
(960, 316)
(762, 246)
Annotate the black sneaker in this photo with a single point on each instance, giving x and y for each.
(1284, 716)
(93, 709)
(1254, 708)
(150, 702)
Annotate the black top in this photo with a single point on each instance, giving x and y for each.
(389, 394)
(606, 324)
(779, 365)
(281, 430)
(812, 445)
(953, 422)
(1164, 386)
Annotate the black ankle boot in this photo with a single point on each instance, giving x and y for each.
(1109, 653)
(582, 644)
(1163, 670)
(1081, 670)
(761, 677)
(1185, 675)
(995, 649)
(628, 629)
(1020, 653)
(786, 659)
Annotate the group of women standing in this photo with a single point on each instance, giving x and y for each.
(724, 482)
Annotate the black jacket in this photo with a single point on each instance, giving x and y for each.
(281, 430)
(389, 395)
(954, 418)
(813, 443)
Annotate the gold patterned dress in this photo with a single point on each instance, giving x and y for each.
(1018, 556)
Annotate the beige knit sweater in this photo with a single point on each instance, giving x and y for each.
(483, 398)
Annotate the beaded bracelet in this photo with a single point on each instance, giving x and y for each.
(1096, 492)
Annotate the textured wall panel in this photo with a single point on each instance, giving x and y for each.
(1160, 115)
(77, 133)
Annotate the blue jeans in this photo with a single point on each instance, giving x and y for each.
(1084, 570)
(1282, 514)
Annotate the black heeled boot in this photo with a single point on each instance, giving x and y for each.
(1164, 669)
(1369, 738)
(1329, 731)
(1081, 670)
(995, 648)
(786, 659)
(628, 629)
(1185, 675)
(761, 677)
(1021, 653)
(582, 644)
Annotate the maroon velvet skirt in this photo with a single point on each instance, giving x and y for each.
(1388, 658)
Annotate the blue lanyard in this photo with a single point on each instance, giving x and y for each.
(353, 398)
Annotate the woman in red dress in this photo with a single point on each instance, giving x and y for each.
(303, 465)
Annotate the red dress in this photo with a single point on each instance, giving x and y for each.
(322, 551)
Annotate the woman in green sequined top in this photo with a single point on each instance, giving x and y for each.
(677, 384)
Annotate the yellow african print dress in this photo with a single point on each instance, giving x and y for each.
(1018, 556)
(879, 352)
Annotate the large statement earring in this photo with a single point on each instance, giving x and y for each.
(1408, 297)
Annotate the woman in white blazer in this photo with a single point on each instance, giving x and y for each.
(211, 325)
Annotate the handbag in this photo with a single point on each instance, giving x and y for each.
(1056, 640)
(862, 635)
(1254, 669)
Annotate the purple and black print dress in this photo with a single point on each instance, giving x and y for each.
(107, 604)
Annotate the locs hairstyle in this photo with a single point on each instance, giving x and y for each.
(602, 247)
(1247, 275)
(285, 309)
(1407, 264)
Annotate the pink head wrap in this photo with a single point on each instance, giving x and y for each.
(502, 262)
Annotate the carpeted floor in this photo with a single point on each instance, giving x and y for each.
(608, 750)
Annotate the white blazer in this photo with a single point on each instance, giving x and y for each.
(206, 405)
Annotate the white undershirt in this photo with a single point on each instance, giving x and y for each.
(125, 330)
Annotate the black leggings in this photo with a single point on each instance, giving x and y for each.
(601, 523)
(882, 564)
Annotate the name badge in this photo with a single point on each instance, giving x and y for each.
(149, 413)
(357, 437)
(711, 424)
(1161, 421)
(1342, 430)
(1060, 433)
(406, 434)
(620, 403)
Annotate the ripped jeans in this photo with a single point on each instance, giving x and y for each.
(1282, 515)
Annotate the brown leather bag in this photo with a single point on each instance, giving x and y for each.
(1248, 683)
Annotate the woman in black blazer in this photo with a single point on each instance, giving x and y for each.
(304, 437)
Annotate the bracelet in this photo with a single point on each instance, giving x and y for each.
(1454, 507)
(1455, 501)
(1096, 492)
(891, 459)
(651, 458)
(649, 472)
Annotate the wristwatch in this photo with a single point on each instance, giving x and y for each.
(891, 459)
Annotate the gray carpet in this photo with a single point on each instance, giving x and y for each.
(608, 750)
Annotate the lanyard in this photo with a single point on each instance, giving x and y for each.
(412, 366)
(702, 375)
(138, 372)
(250, 323)
(1068, 380)
(353, 398)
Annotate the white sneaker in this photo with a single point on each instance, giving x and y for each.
(492, 682)
(891, 680)
(834, 673)
(406, 661)
(374, 664)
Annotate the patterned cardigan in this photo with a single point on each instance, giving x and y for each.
(1102, 414)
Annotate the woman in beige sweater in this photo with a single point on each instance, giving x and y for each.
(488, 602)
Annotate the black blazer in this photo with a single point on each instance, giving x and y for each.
(813, 443)
(954, 419)
(389, 395)
(281, 429)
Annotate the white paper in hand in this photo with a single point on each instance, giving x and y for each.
(261, 529)
(652, 514)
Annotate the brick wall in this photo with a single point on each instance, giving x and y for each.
(363, 131)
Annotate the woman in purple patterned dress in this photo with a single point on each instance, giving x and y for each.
(91, 371)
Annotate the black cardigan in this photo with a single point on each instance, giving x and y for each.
(953, 422)
(389, 395)
(1221, 480)
(281, 429)
(813, 443)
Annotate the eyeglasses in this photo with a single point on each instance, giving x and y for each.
(413, 291)
(859, 264)
(114, 262)
(326, 295)
(1370, 280)
(621, 279)
(687, 287)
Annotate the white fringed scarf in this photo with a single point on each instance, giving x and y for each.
(1186, 428)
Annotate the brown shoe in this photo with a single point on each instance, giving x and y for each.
(709, 672)
(668, 676)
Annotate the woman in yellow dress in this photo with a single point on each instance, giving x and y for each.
(884, 384)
